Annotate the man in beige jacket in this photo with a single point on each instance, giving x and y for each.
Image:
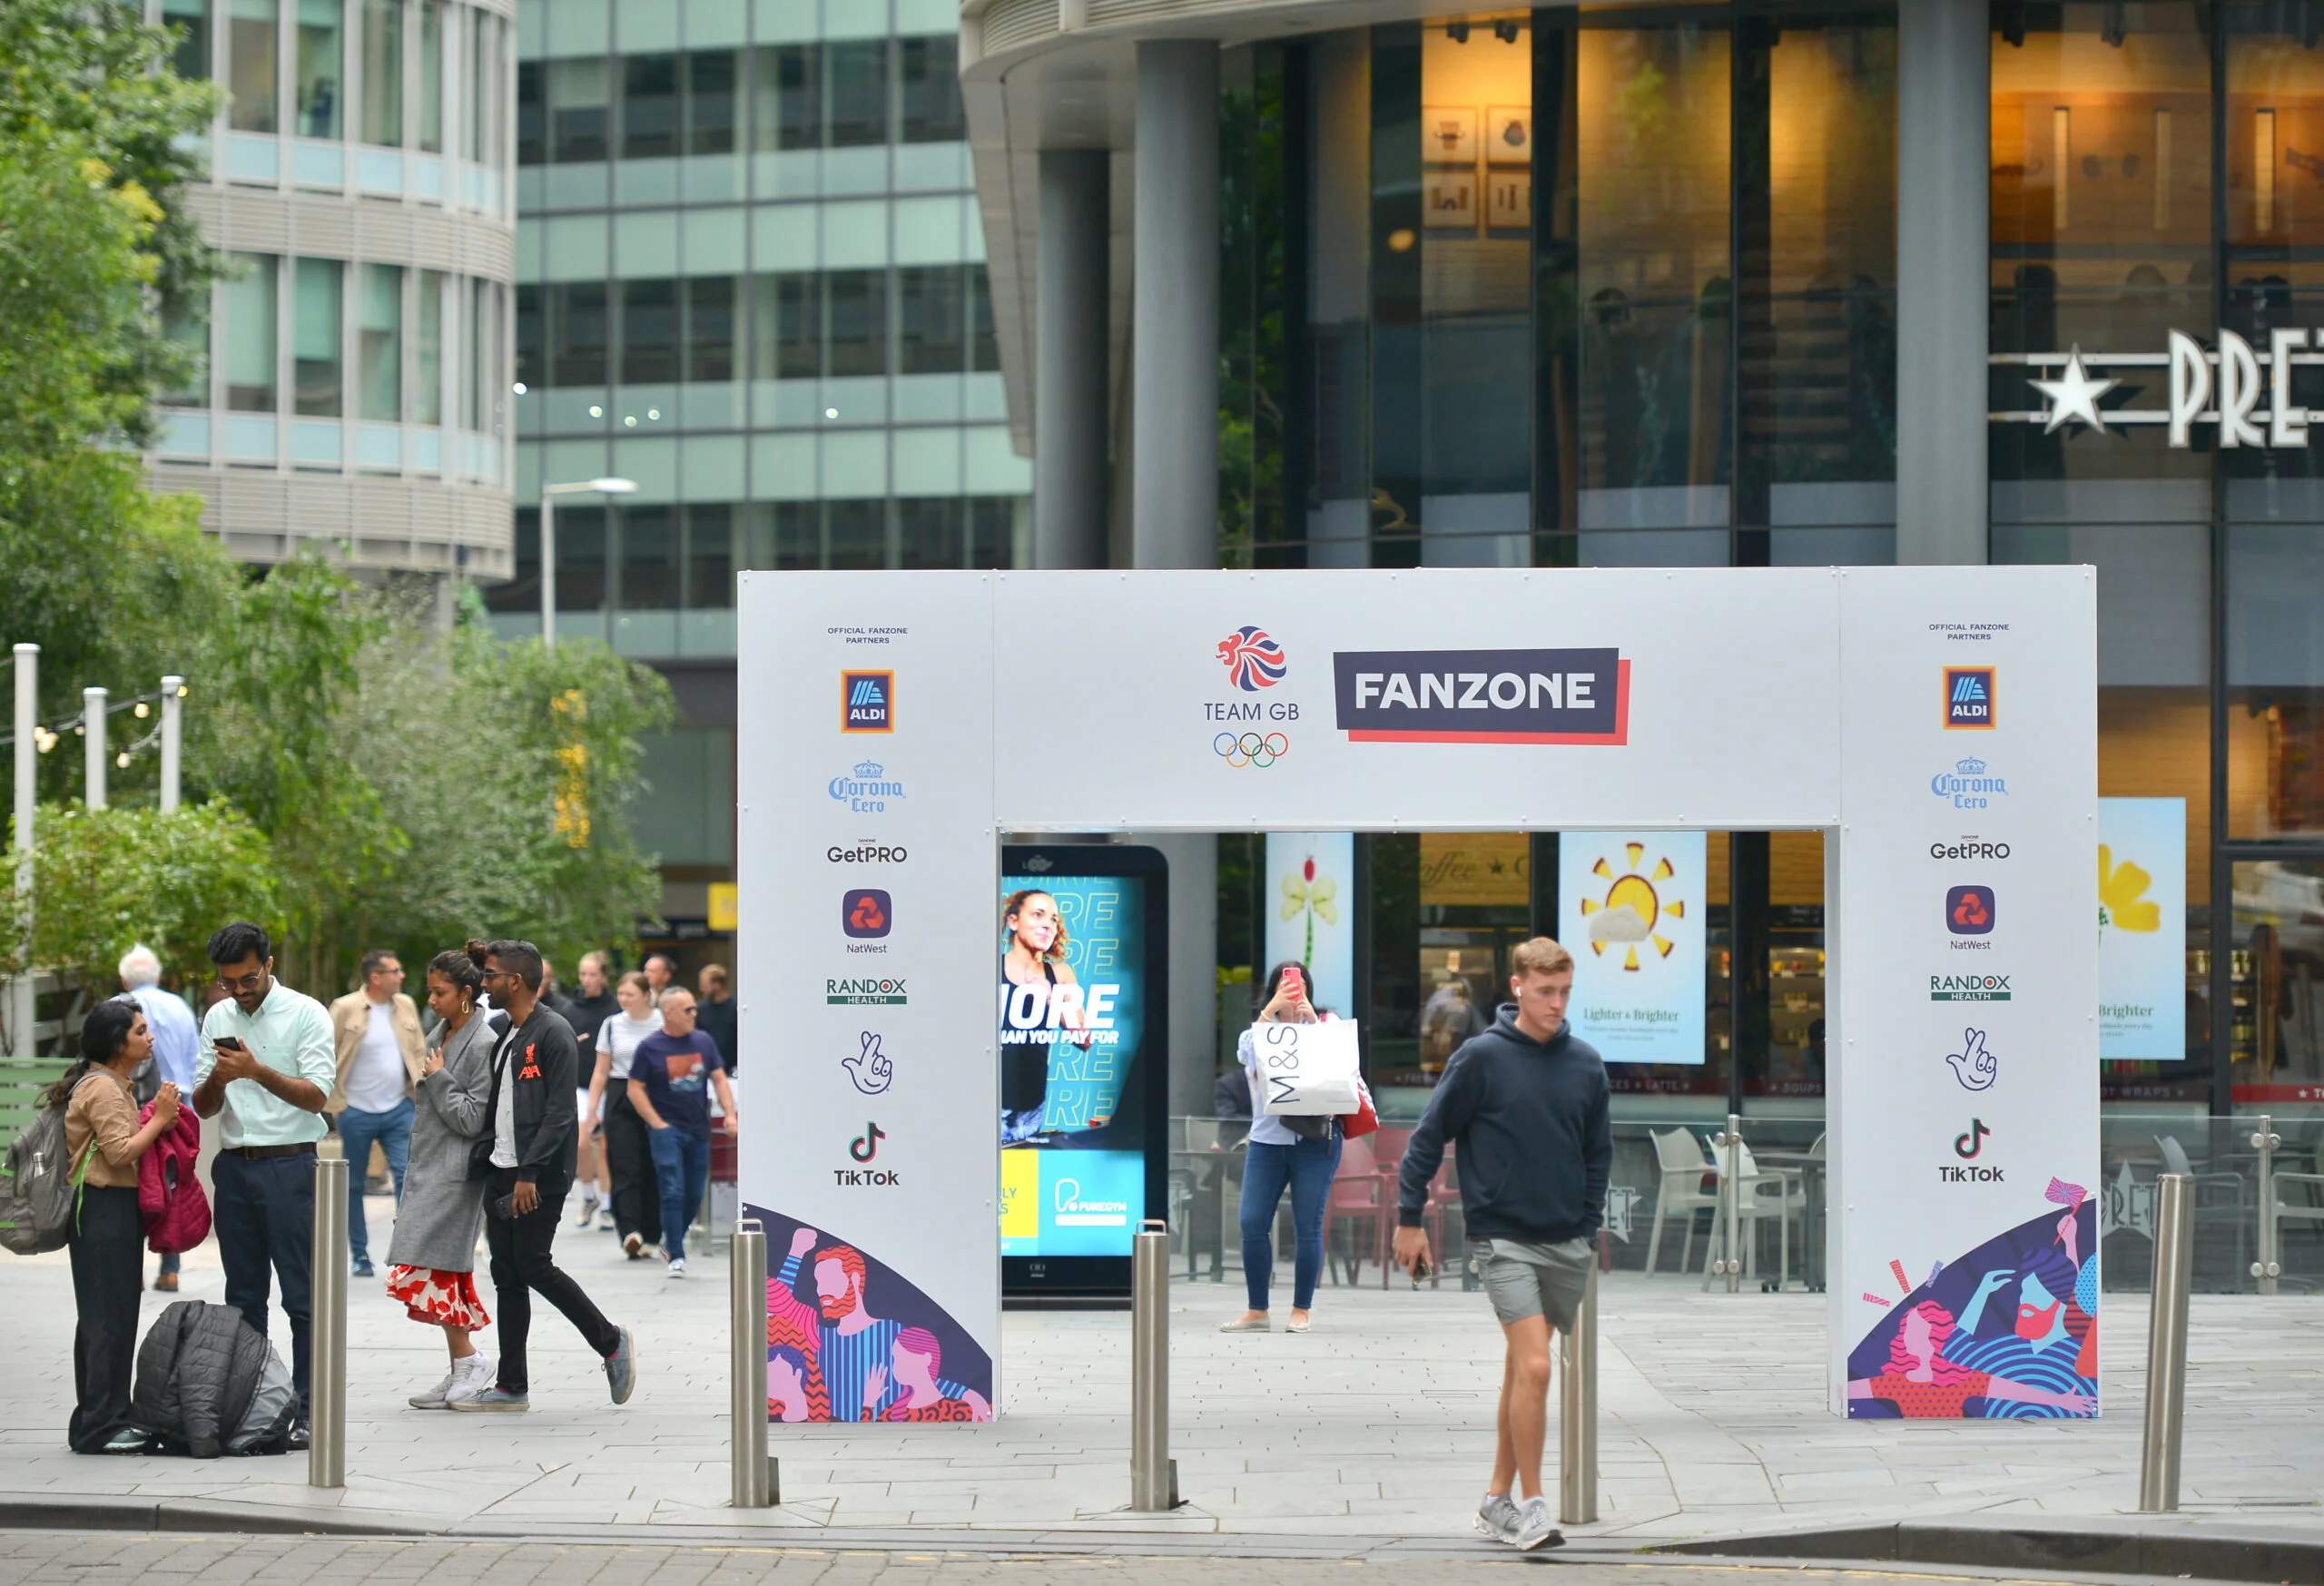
(380, 1049)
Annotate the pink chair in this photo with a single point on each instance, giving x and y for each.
(1444, 1191)
(1358, 1196)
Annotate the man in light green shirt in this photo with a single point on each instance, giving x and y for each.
(268, 1064)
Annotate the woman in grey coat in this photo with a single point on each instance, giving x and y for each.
(433, 1255)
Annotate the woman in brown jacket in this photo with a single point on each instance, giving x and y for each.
(104, 1140)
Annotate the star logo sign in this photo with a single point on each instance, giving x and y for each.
(2074, 398)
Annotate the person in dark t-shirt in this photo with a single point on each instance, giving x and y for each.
(670, 1081)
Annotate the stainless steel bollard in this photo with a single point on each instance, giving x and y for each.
(2271, 1265)
(753, 1471)
(1730, 1191)
(2166, 1344)
(1153, 1473)
(1578, 1413)
(327, 1326)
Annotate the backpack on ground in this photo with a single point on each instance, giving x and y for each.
(37, 1186)
(170, 1199)
(209, 1385)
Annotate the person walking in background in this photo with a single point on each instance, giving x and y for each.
(1526, 1103)
(1297, 1153)
(587, 1013)
(522, 1158)
(432, 1259)
(376, 1030)
(717, 1014)
(670, 1081)
(102, 1134)
(177, 1046)
(267, 1067)
(661, 972)
(629, 1154)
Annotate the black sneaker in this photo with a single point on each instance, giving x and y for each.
(301, 1438)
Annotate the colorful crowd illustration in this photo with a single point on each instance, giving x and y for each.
(2008, 1331)
(861, 1344)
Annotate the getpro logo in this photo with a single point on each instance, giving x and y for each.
(1969, 697)
(1253, 660)
(865, 913)
(866, 853)
(867, 702)
(1484, 696)
(1968, 848)
(1969, 911)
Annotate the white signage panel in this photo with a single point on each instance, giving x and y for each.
(1630, 910)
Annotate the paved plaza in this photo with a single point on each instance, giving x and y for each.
(1377, 1425)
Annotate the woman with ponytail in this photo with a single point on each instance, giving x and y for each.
(432, 1260)
(104, 1140)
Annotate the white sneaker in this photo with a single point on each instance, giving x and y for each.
(471, 1377)
(1537, 1527)
(605, 1219)
(1499, 1517)
(678, 1267)
(588, 1210)
(433, 1399)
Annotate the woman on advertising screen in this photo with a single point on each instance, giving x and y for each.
(1033, 974)
(1300, 1153)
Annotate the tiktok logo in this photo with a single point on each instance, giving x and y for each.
(866, 1146)
(1967, 1145)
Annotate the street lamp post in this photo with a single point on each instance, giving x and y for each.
(549, 493)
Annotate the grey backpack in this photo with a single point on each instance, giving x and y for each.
(36, 1187)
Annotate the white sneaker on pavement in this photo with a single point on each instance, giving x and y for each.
(678, 1268)
(1499, 1517)
(433, 1398)
(1537, 1527)
(470, 1378)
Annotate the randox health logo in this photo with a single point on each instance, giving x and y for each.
(861, 991)
(1484, 696)
(1968, 988)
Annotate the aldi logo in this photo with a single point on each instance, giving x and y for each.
(867, 702)
(1968, 697)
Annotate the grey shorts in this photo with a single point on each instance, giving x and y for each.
(1535, 1280)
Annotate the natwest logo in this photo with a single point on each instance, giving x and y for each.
(865, 913)
(1970, 784)
(1969, 696)
(1969, 911)
(866, 790)
(1968, 848)
(865, 853)
(1484, 696)
(1253, 660)
(867, 702)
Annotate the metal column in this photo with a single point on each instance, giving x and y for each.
(20, 1009)
(1730, 1207)
(1153, 1473)
(173, 740)
(2271, 1265)
(1070, 347)
(94, 753)
(326, 1330)
(1943, 278)
(1578, 1413)
(549, 570)
(1174, 358)
(753, 1472)
(2166, 1344)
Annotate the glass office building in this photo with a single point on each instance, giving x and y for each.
(750, 277)
(353, 383)
(1747, 285)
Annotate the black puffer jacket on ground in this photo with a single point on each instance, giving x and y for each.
(196, 1373)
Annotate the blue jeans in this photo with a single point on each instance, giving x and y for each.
(680, 1169)
(1308, 1167)
(264, 1212)
(357, 1131)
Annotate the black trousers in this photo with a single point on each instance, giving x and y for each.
(522, 1266)
(264, 1212)
(108, 1275)
(629, 1159)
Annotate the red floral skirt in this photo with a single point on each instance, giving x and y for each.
(438, 1298)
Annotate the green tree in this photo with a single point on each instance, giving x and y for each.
(107, 878)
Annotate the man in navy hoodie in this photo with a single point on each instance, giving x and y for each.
(1527, 1104)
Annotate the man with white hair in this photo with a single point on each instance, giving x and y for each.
(177, 1046)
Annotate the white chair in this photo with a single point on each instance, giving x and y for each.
(1684, 1165)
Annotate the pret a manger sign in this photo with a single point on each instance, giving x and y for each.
(2222, 385)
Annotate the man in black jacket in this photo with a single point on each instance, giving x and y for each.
(525, 1159)
(1527, 1104)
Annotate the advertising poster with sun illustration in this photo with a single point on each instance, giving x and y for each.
(2142, 929)
(1630, 910)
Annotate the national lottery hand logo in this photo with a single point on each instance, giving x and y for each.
(1253, 660)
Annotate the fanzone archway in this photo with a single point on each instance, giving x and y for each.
(894, 723)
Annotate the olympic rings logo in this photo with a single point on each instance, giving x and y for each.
(1251, 748)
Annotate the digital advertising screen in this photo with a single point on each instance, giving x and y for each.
(1080, 1013)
